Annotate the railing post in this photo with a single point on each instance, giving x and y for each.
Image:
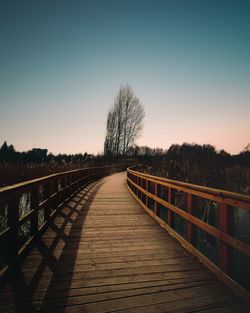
(171, 200)
(12, 222)
(156, 193)
(34, 206)
(225, 225)
(140, 192)
(79, 180)
(133, 186)
(82, 175)
(47, 193)
(74, 182)
(146, 195)
(67, 185)
(70, 181)
(64, 184)
(137, 190)
(191, 229)
(57, 190)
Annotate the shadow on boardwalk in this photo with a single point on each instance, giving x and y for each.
(48, 259)
(103, 253)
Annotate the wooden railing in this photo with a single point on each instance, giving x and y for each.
(26, 208)
(181, 209)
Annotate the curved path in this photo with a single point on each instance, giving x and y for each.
(104, 253)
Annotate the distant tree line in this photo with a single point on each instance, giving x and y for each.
(198, 164)
(18, 166)
(39, 156)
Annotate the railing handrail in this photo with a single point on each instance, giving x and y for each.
(54, 175)
(147, 190)
(45, 196)
(223, 194)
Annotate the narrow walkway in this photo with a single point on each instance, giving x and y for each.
(104, 253)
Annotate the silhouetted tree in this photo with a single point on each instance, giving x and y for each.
(8, 153)
(124, 123)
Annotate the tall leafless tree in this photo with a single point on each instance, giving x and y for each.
(124, 122)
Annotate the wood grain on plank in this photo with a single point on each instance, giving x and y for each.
(104, 253)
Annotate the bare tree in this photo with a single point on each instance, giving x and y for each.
(124, 122)
(110, 134)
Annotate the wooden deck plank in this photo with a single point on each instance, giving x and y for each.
(103, 253)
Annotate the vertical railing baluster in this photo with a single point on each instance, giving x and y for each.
(34, 206)
(72, 183)
(64, 184)
(146, 190)
(47, 194)
(225, 225)
(156, 194)
(191, 228)
(171, 200)
(12, 223)
(78, 180)
(66, 180)
(134, 180)
(140, 193)
(59, 187)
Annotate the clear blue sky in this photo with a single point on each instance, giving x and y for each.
(62, 63)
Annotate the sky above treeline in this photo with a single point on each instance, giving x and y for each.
(62, 63)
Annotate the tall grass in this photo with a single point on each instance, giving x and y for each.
(12, 173)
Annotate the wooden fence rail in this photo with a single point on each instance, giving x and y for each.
(185, 220)
(26, 209)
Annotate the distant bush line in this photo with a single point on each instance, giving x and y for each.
(202, 165)
(193, 163)
(21, 166)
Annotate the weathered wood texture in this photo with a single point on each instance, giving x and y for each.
(27, 208)
(147, 190)
(104, 253)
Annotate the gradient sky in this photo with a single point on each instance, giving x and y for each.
(62, 63)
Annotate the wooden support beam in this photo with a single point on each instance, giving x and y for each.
(171, 200)
(225, 225)
(191, 228)
(12, 223)
(156, 194)
(34, 206)
(47, 192)
(146, 195)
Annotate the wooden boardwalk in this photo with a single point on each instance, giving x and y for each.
(104, 253)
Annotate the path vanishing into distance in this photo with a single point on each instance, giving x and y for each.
(104, 253)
